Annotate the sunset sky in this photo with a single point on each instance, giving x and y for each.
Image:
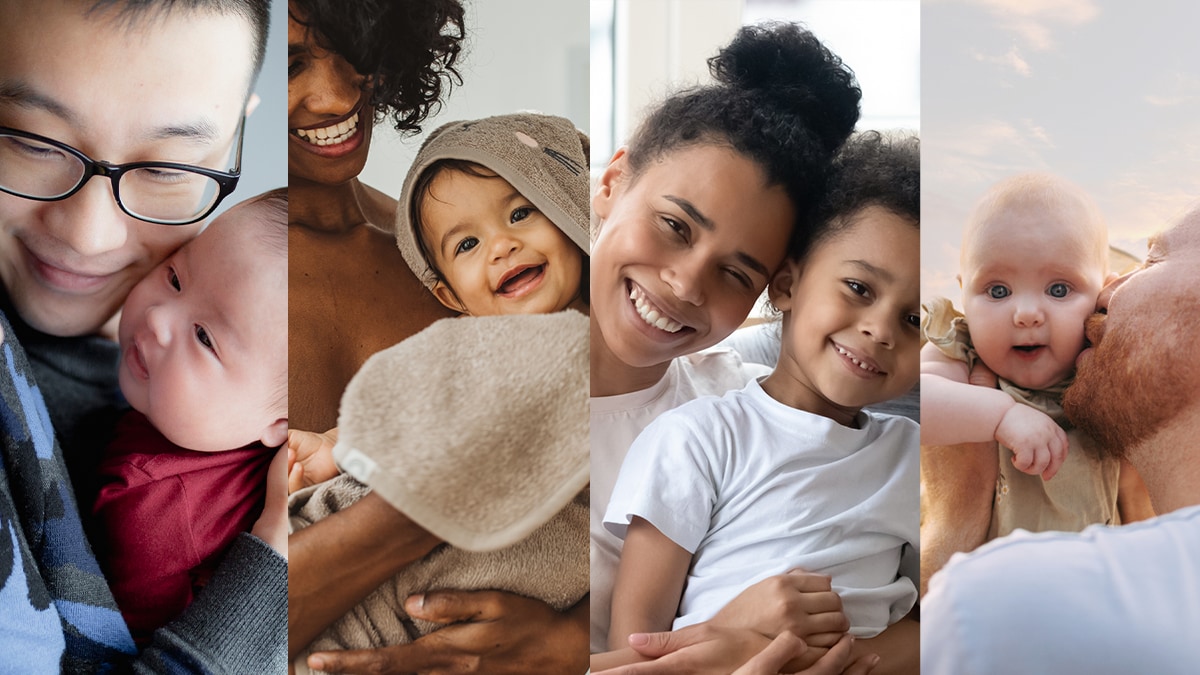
(1103, 92)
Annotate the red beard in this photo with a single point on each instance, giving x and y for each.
(1141, 374)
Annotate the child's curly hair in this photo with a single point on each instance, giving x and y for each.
(872, 169)
(407, 49)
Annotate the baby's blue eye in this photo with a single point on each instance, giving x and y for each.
(466, 245)
(998, 292)
(1058, 290)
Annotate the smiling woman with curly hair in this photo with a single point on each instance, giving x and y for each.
(406, 50)
(352, 64)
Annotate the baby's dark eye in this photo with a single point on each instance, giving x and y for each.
(998, 292)
(173, 278)
(520, 214)
(202, 337)
(466, 245)
(1058, 290)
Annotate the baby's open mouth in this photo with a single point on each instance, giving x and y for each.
(519, 279)
(1028, 349)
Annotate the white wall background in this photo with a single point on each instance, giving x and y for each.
(520, 55)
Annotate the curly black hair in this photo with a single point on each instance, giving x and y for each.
(406, 48)
(871, 169)
(782, 99)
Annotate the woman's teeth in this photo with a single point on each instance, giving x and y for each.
(650, 314)
(856, 362)
(331, 135)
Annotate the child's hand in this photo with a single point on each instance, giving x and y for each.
(800, 602)
(1039, 445)
(310, 458)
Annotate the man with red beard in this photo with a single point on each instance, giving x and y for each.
(1107, 600)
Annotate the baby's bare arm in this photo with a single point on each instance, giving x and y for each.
(953, 411)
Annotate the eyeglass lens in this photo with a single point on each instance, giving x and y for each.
(32, 168)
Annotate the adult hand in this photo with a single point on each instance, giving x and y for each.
(786, 647)
(798, 602)
(310, 458)
(272, 525)
(702, 649)
(489, 632)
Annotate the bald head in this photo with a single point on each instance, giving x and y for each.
(1036, 206)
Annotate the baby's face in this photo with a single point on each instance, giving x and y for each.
(1030, 279)
(497, 253)
(204, 339)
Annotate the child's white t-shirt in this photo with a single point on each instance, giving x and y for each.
(754, 488)
(616, 421)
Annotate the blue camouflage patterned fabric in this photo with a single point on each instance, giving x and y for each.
(56, 611)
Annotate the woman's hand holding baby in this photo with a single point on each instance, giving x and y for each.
(1039, 445)
(310, 458)
(488, 632)
(786, 647)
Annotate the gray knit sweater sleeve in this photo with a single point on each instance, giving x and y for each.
(236, 625)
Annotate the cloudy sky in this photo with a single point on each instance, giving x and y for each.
(1103, 92)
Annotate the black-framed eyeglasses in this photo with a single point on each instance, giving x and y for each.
(167, 193)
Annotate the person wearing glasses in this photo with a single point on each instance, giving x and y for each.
(118, 137)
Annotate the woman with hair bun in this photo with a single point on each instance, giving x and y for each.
(695, 216)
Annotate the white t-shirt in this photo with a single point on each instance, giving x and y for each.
(753, 488)
(616, 421)
(1106, 600)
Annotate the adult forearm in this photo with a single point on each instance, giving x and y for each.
(335, 563)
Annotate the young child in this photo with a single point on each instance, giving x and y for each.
(204, 366)
(1034, 259)
(791, 472)
(484, 439)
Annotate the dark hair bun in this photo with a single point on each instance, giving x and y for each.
(787, 67)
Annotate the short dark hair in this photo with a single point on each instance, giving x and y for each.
(406, 48)
(872, 169)
(782, 99)
(256, 12)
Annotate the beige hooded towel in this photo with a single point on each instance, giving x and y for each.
(477, 429)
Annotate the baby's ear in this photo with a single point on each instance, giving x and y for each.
(446, 296)
(779, 289)
(275, 434)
